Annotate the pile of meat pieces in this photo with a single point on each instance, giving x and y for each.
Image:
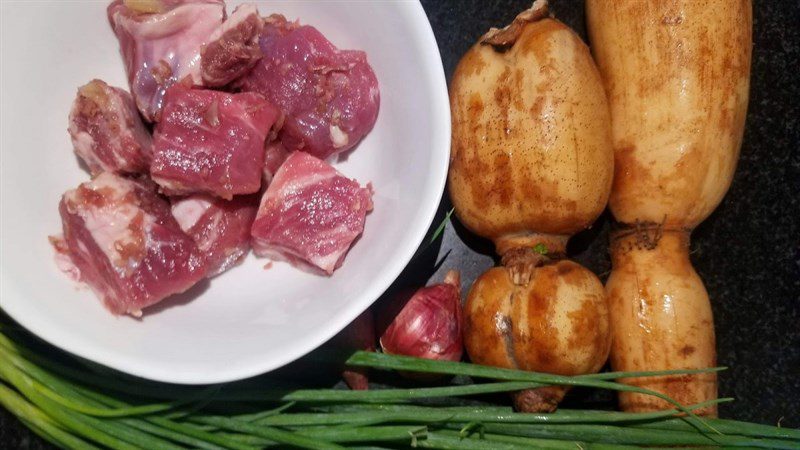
(244, 113)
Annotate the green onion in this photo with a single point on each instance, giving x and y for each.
(73, 405)
(433, 415)
(400, 362)
(40, 422)
(244, 439)
(435, 235)
(347, 434)
(140, 388)
(163, 427)
(441, 226)
(121, 411)
(179, 432)
(373, 396)
(176, 435)
(726, 426)
(407, 363)
(626, 435)
(552, 443)
(366, 407)
(528, 442)
(273, 434)
(264, 414)
(368, 447)
(448, 440)
(89, 428)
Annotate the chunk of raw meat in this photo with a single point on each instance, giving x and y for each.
(330, 96)
(310, 215)
(220, 228)
(211, 142)
(233, 48)
(160, 41)
(107, 132)
(125, 243)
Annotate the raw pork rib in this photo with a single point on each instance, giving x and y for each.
(310, 214)
(160, 41)
(330, 96)
(220, 228)
(125, 243)
(211, 142)
(233, 49)
(107, 132)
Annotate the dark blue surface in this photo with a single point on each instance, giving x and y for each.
(747, 252)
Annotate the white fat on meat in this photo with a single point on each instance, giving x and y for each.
(84, 146)
(288, 187)
(188, 211)
(339, 137)
(110, 225)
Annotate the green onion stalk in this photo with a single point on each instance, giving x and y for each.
(73, 406)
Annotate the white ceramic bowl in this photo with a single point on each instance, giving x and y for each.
(248, 320)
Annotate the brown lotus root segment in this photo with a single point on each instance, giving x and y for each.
(531, 165)
(677, 128)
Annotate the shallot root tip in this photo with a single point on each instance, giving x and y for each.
(453, 278)
(356, 379)
(509, 34)
(543, 399)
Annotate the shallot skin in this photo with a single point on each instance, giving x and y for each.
(531, 147)
(556, 323)
(429, 326)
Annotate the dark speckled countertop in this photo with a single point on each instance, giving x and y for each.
(747, 252)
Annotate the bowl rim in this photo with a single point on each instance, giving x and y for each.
(440, 155)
